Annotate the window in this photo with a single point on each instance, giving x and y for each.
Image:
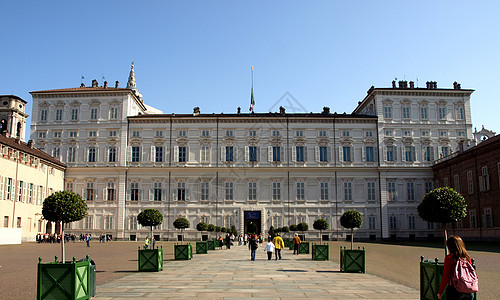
(252, 153)
(57, 134)
(484, 180)
(93, 113)
(182, 154)
(428, 186)
(229, 195)
(456, 181)
(20, 195)
(299, 153)
(488, 219)
(91, 154)
(323, 154)
(18, 222)
(113, 113)
(299, 133)
(252, 190)
(441, 112)
(205, 133)
(371, 222)
(158, 154)
(428, 153)
(205, 153)
(370, 157)
(42, 135)
(205, 189)
(323, 186)
(473, 219)
(74, 114)
(388, 112)
(228, 221)
(346, 133)
(276, 154)
(108, 222)
(393, 222)
(369, 133)
(229, 153)
(425, 133)
(423, 113)
(409, 153)
(252, 133)
(348, 191)
(389, 133)
(112, 154)
(73, 134)
(444, 151)
(407, 133)
(391, 153)
(132, 223)
(445, 181)
(461, 133)
(229, 133)
(276, 133)
(43, 115)
(136, 133)
(370, 190)
(276, 190)
(59, 113)
(134, 191)
(181, 191)
(411, 222)
(346, 153)
(112, 133)
(277, 221)
(205, 219)
(71, 154)
(111, 192)
(322, 133)
(8, 189)
(92, 134)
(181, 133)
(300, 190)
(6, 221)
(406, 112)
(460, 113)
(443, 133)
(136, 151)
(430, 225)
(88, 223)
(157, 191)
(56, 152)
(391, 191)
(410, 191)
(90, 191)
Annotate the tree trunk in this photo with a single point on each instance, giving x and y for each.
(352, 237)
(320, 237)
(63, 255)
(445, 238)
(152, 237)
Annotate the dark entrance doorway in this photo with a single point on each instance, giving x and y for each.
(252, 222)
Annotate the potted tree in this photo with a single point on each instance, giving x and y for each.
(182, 252)
(352, 260)
(320, 252)
(304, 246)
(76, 280)
(286, 230)
(442, 205)
(201, 246)
(150, 259)
(212, 243)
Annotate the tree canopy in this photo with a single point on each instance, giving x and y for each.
(293, 227)
(442, 205)
(351, 219)
(321, 224)
(202, 226)
(302, 226)
(285, 229)
(150, 217)
(64, 207)
(211, 227)
(181, 223)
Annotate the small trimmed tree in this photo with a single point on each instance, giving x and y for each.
(285, 229)
(64, 207)
(223, 229)
(302, 227)
(320, 224)
(272, 231)
(150, 217)
(293, 227)
(442, 205)
(181, 223)
(351, 219)
(202, 226)
(211, 228)
(233, 230)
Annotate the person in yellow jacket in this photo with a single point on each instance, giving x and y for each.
(278, 245)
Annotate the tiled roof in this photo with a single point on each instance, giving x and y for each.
(22, 146)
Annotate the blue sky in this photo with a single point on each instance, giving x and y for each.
(199, 53)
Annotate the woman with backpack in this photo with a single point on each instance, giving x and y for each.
(458, 272)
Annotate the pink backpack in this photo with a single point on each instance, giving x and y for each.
(464, 277)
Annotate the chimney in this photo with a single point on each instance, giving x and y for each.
(30, 144)
(412, 85)
(282, 110)
(82, 85)
(394, 84)
(116, 84)
(94, 83)
(326, 110)
(105, 84)
(239, 110)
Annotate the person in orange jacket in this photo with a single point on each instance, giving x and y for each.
(296, 242)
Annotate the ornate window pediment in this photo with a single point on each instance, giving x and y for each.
(441, 102)
(423, 102)
(346, 140)
(60, 103)
(369, 140)
(75, 103)
(407, 140)
(44, 104)
(115, 103)
(389, 140)
(426, 141)
(94, 102)
(406, 101)
(135, 140)
(387, 102)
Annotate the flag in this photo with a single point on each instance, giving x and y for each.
(252, 101)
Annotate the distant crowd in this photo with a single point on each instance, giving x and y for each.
(56, 238)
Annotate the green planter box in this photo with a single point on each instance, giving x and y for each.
(303, 248)
(69, 280)
(201, 247)
(352, 261)
(287, 242)
(150, 260)
(290, 246)
(216, 244)
(183, 252)
(320, 252)
(210, 245)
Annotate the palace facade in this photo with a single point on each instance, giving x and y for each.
(267, 168)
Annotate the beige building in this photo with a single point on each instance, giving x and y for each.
(27, 176)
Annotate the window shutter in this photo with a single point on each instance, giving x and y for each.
(86, 154)
(440, 149)
(363, 153)
(235, 153)
(329, 156)
(188, 156)
(151, 194)
(163, 195)
(270, 153)
(247, 153)
(176, 154)
(385, 153)
(305, 154)
(104, 194)
(223, 153)
(129, 153)
(375, 154)
(316, 153)
(341, 154)
(257, 151)
(187, 194)
(414, 153)
(153, 153)
(282, 154)
(351, 150)
(294, 153)
(141, 195)
(402, 148)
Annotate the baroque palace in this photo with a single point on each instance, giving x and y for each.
(275, 169)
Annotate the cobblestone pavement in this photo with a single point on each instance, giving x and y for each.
(230, 274)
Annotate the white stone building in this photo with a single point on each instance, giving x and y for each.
(268, 168)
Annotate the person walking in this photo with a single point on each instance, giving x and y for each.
(270, 249)
(296, 242)
(253, 245)
(458, 255)
(278, 245)
(146, 243)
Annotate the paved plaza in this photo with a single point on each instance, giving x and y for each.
(230, 274)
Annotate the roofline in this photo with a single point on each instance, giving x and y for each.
(255, 115)
(16, 97)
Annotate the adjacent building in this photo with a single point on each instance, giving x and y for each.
(267, 168)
